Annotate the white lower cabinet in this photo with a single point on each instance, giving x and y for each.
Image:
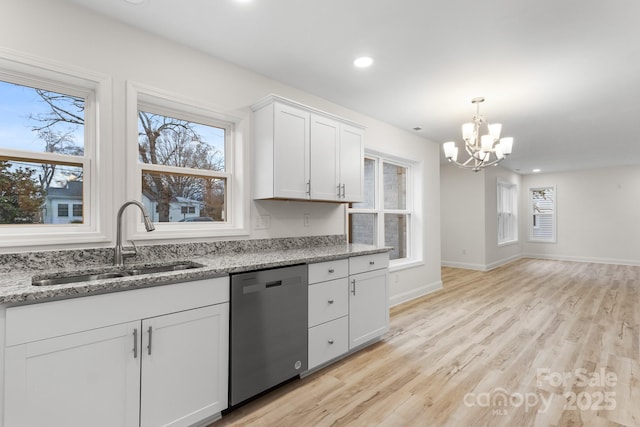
(368, 298)
(328, 341)
(84, 379)
(348, 305)
(159, 370)
(184, 366)
(368, 307)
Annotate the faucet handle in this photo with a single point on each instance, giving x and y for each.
(130, 251)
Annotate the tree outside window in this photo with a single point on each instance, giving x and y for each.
(183, 167)
(41, 151)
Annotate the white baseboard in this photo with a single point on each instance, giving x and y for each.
(415, 293)
(503, 261)
(463, 265)
(481, 267)
(582, 259)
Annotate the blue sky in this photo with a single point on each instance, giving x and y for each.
(16, 103)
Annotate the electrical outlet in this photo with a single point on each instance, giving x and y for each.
(307, 220)
(263, 222)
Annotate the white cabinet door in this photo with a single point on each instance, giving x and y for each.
(368, 307)
(291, 152)
(351, 163)
(184, 366)
(325, 137)
(89, 378)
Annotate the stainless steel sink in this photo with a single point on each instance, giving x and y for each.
(77, 277)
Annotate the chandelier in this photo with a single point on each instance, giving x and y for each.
(481, 141)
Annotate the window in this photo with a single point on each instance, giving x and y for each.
(182, 162)
(184, 157)
(507, 197)
(385, 215)
(50, 139)
(542, 225)
(77, 210)
(42, 153)
(63, 210)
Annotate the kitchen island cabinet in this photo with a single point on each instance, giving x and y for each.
(147, 357)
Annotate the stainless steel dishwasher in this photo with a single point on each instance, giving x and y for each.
(268, 324)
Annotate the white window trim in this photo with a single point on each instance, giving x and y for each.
(414, 205)
(33, 71)
(554, 238)
(170, 104)
(515, 199)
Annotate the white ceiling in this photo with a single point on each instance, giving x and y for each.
(562, 76)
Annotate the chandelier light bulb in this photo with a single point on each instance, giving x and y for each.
(506, 144)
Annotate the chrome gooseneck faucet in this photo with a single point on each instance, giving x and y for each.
(120, 252)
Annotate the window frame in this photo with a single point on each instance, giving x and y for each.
(236, 125)
(554, 215)
(95, 89)
(513, 196)
(413, 204)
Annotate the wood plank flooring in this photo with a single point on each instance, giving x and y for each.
(532, 343)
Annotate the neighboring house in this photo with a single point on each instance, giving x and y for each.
(63, 205)
(180, 208)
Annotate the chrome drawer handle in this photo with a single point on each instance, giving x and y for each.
(330, 301)
(372, 262)
(330, 341)
(331, 270)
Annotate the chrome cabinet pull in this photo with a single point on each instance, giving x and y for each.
(330, 301)
(339, 191)
(135, 343)
(150, 331)
(372, 262)
(309, 188)
(353, 290)
(343, 191)
(330, 341)
(331, 270)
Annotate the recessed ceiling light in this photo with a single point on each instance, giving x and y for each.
(536, 170)
(135, 1)
(363, 62)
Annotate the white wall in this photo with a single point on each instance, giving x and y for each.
(598, 215)
(462, 202)
(67, 34)
(470, 218)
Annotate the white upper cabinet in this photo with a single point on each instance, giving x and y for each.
(351, 163)
(305, 154)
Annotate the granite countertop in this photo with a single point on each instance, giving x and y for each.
(16, 287)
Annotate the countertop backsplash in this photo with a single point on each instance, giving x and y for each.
(73, 258)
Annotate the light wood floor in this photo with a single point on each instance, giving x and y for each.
(497, 348)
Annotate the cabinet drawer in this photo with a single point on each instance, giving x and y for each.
(364, 263)
(323, 271)
(328, 301)
(328, 341)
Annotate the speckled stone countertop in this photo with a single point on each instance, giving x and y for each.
(217, 259)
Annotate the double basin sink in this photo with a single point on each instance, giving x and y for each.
(115, 272)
